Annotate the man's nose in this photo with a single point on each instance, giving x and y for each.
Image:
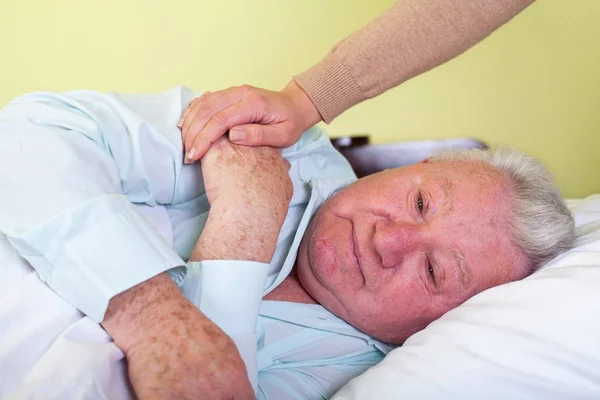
(394, 240)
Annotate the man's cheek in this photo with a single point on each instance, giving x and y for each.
(321, 254)
(396, 311)
(402, 297)
(342, 203)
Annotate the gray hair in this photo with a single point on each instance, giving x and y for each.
(541, 224)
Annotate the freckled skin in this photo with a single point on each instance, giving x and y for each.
(390, 294)
(249, 190)
(173, 350)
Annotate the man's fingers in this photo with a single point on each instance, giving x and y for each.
(221, 122)
(261, 135)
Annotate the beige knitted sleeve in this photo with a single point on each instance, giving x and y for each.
(410, 38)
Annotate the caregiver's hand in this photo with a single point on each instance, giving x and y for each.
(253, 117)
(173, 351)
(249, 190)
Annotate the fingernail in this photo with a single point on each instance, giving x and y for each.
(190, 154)
(236, 135)
(180, 124)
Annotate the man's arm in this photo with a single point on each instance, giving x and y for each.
(249, 190)
(172, 349)
(89, 243)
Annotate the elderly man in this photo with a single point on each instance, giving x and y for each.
(97, 199)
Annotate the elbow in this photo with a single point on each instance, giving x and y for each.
(229, 378)
(240, 387)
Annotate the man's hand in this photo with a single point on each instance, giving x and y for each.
(249, 190)
(173, 351)
(253, 117)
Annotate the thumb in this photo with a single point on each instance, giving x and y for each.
(276, 135)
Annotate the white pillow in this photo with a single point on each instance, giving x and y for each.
(538, 338)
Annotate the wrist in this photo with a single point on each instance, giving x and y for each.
(303, 104)
(138, 312)
(234, 234)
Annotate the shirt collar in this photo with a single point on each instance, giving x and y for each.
(318, 317)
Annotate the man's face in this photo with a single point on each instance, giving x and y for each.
(396, 250)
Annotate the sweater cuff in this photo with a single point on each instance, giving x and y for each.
(331, 87)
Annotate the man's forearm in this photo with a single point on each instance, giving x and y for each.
(172, 349)
(228, 237)
(410, 38)
(130, 313)
(234, 252)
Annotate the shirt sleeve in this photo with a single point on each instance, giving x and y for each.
(66, 203)
(229, 293)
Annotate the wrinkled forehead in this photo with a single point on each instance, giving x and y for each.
(478, 173)
(476, 189)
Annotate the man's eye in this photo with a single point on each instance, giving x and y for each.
(431, 271)
(420, 203)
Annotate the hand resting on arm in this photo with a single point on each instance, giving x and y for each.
(260, 117)
(411, 37)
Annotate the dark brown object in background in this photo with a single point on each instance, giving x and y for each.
(368, 159)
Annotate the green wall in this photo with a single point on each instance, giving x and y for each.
(534, 84)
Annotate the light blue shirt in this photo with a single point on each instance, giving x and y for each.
(96, 197)
(305, 352)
